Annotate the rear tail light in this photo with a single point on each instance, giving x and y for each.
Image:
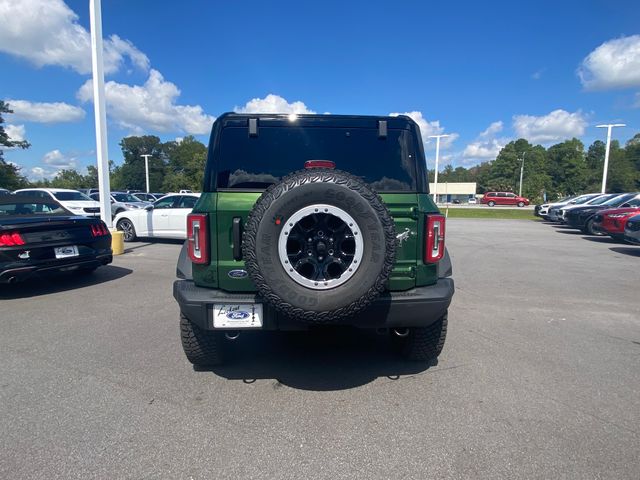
(11, 239)
(198, 238)
(434, 239)
(319, 164)
(99, 229)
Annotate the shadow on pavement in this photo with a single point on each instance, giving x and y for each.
(131, 246)
(633, 251)
(601, 239)
(569, 231)
(60, 282)
(319, 360)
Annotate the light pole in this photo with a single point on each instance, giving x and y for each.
(521, 171)
(146, 167)
(606, 152)
(99, 108)
(435, 177)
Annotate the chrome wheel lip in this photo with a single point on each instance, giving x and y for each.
(351, 269)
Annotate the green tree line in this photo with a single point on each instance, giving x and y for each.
(562, 169)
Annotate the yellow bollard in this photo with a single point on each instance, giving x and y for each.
(117, 241)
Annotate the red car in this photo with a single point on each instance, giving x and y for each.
(611, 222)
(503, 198)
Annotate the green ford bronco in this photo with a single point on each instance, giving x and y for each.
(310, 220)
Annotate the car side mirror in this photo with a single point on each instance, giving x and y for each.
(148, 208)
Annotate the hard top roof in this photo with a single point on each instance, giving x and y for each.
(231, 119)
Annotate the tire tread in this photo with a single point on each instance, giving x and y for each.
(426, 343)
(201, 347)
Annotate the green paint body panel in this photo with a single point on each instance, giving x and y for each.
(408, 211)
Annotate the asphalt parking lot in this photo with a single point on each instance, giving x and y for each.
(540, 376)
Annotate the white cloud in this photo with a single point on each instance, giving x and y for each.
(41, 173)
(57, 112)
(614, 64)
(55, 158)
(557, 125)
(273, 104)
(47, 32)
(150, 107)
(537, 75)
(16, 133)
(487, 150)
(495, 127)
(429, 128)
(52, 163)
(486, 146)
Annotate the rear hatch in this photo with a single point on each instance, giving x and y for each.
(242, 165)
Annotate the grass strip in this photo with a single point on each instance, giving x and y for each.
(490, 212)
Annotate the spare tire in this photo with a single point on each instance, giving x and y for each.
(319, 246)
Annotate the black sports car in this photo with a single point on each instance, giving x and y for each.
(39, 236)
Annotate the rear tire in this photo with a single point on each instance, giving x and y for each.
(202, 347)
(126, 226)
(492, 203)
(424, 343)
(520, 204)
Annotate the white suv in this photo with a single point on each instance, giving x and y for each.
(73, 200)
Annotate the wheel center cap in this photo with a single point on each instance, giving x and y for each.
(321, 248)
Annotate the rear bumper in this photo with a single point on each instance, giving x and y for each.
(418, 307)
(16, 273)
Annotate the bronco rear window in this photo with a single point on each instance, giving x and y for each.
(253, 163)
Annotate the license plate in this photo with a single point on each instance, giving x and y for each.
(66, 252)
(237, 315)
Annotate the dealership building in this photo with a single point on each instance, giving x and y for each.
(450, 192)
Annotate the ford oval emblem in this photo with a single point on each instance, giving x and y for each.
(238, 274)
(238, 315)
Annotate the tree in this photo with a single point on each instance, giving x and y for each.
(69, 179)
(131, 174)
(10, 176)
(595, 163)
(567, 167)
(622, 175)
(185, 164)
(505, 169)
(632, 152)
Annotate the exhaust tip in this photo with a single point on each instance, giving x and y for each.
(401, 332)
(232, 335)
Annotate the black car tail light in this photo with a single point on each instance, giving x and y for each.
(198, 238)
(99, 229)
(11, 239)
(434, 238)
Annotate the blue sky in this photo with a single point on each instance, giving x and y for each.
(486, 73)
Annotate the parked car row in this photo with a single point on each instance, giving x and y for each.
(613, 214)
